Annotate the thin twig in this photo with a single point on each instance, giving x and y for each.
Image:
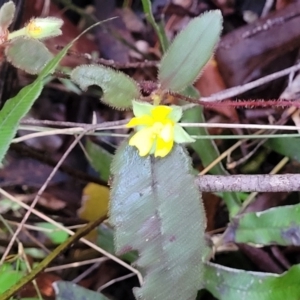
(87, 126)
(74, 173)
(243, 126)
(69, 131)
(113, 281)
(30, 210)
(284, 116)
(112, 63)
(233, 164)
(76, 264)
(240, 89)
(80, 127)
(85, 241)
(88, 271)
(48, 259)
(38, 195)
(249, 183)
(274, 171)
(267, 7)
(28, 267)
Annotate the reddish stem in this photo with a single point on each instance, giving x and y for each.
(251, 103)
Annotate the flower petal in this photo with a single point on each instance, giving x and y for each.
(145, 120)
(143, 140)
(181, 136)
(160, 112)
(167, 133)
(163, 148)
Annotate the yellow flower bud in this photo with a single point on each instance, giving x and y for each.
(40, 28)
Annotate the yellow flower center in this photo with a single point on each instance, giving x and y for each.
(33, 29)
(156, 129)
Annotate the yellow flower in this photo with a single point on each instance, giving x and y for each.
(157, 129)
(40, 28)
(34, 29)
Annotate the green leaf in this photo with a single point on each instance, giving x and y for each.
(119, 90)
(207, 149)
(286, 146)
(14, 110)
(35, 253)
(28, 54)
(228, 284)
(181, 136)
(153, 203)
(190, 51)
(56, 235)
(70, 85)
(8, 278)
(66, 290)
(100, 159)
(105, 240)
(7, 13)
(176, 113)
(141, 108)
(17, 107)
(7, 205)
(279, 225)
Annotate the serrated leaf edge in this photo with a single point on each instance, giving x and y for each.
(85, 87)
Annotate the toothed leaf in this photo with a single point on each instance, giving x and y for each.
(28, 54)
(156, 209)
(7, 13)
(190, 51)
(118, 89)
